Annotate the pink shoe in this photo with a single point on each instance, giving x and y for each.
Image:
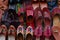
(47, 22)
(38, 20)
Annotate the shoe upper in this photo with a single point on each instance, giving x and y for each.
(12, 30)
(20, 29)
(29, 30)
(4, 30)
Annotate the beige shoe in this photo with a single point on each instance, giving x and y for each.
(56, 23)
(3, 34)
(29, 33)
(12, 33)
(20, 32)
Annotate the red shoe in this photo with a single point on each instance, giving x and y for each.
(30, 16)
(38, 20)
(12, 33)
(47, 23)
(20, 32)
(29, 33)
(3, 32)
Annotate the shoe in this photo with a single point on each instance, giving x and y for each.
(56, 22)
(47, 23)
(20, 32)
(56, 16)
(29, 33)
(38, 21)
(3, 34)
(30, 16)
(12, 33)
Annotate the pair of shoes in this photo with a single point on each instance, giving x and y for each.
(21, 32)
(56, 22)
(40, 17)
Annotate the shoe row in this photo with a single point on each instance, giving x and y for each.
(13, 34)
(41, 27)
